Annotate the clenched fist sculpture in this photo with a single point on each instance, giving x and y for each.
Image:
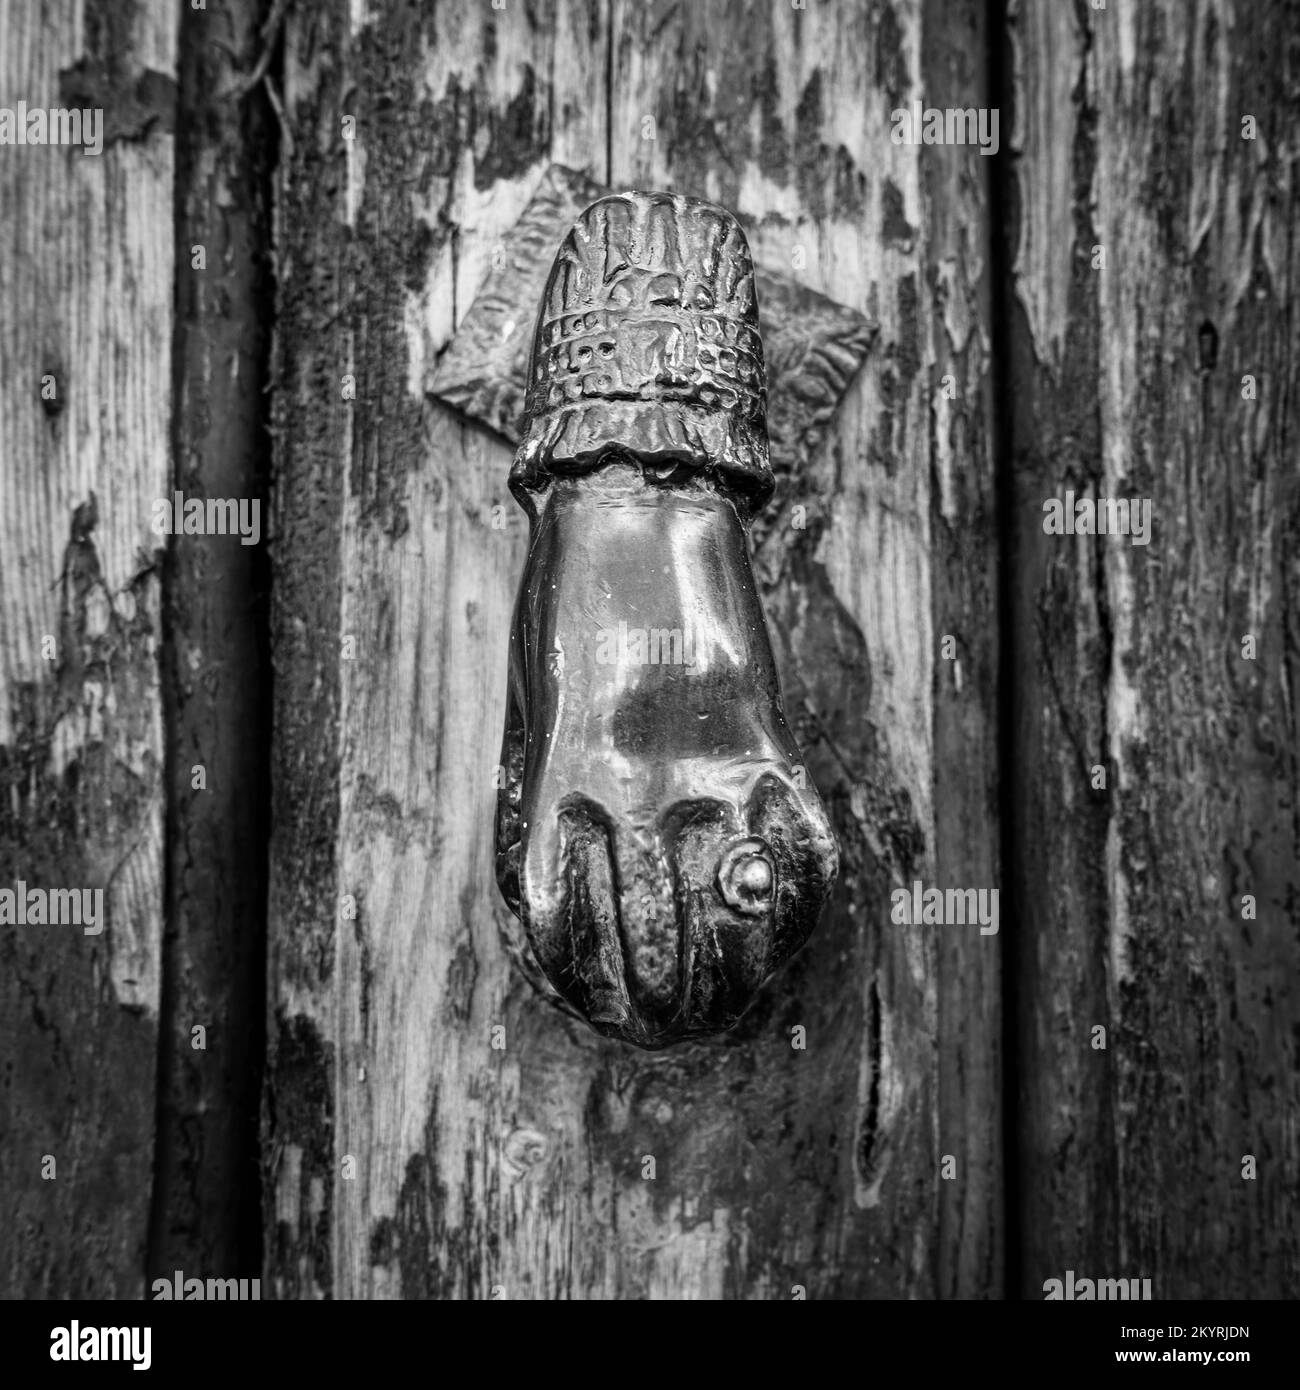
(657, 833)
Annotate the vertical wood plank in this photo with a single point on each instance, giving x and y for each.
(410, 1156)
(206, 1211)
(86, 301)
(1130, 383)
(1202, 735)
(390, 628)
(1067, 1197)
(784, 115)
(957, 287)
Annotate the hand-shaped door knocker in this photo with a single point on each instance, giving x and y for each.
(657, 833)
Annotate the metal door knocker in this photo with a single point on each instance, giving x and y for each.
(657, 834)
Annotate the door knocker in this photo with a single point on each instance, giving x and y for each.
(657, 833)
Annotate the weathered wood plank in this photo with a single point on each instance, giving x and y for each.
(86, 302)
(956, 287)
(206, 1212)
(783, 114)
(1129, 382)
(520, 1170)
(380, 1041)
(1054, 820)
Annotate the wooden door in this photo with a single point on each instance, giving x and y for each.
(381, 1106)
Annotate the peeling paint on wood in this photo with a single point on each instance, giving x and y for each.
(501, 1145)
(1132, 659)
(86, 299)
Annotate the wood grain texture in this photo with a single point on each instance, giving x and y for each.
(206, 1212)
(784, 116)
(518, 1171)
(85, 298)
(380, 1041)
(969, 756)
(1128, 381)
(432, 1128)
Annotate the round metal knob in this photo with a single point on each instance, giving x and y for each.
(747, 877)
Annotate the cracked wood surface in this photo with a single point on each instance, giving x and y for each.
(85, 299)
(406, 1155)
(1128, 381)
(409, 1156)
